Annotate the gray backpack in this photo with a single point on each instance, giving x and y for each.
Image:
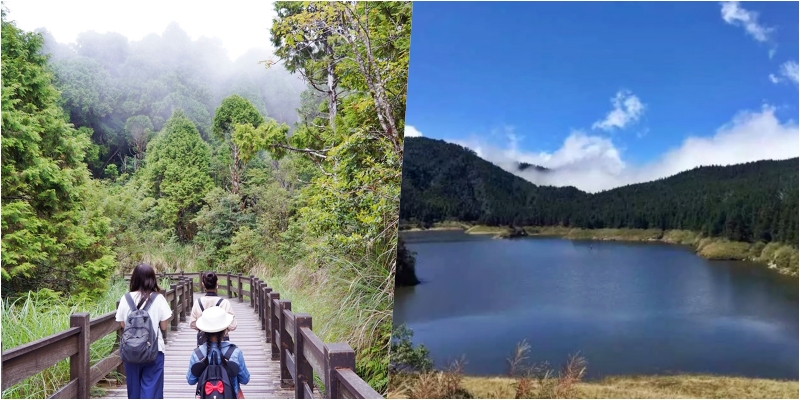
(139, 343)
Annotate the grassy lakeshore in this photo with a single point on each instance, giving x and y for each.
(651, 387)
(447, 385)
(778, 256)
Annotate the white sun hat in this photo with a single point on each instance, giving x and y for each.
(214, 319)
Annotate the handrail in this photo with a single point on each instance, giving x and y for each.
(29, 359)
(299, 350)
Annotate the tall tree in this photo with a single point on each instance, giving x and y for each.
(176, 174)
(48, 234)
(234, 110)
(303, 40)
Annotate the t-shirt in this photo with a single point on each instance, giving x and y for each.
(159, 311)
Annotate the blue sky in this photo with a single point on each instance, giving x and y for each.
(695, 83)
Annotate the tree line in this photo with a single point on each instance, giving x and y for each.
(756, 201)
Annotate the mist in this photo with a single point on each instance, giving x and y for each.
(173, 70)
(595, 163)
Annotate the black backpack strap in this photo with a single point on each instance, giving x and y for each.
(229, 353)
(152, 299)
(200, 303)
(220, 301)
(199, 354)
(129, 299)
(231, 367)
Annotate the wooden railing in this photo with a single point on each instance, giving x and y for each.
(300, 352)
(29, 359)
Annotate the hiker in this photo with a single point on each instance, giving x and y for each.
(218, 367)
(146, 313)
(211, 299)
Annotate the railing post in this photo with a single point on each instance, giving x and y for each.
(285, 342)
(267, 314)
(241, 287)
(252, 293)
(274, 323)
(228, 275)
(264, 307)
(259, 299)
(181, 301)
(337, 356)
(174, 305)
(303, 372)
(79, 363)
(121, 366)
(185, 291)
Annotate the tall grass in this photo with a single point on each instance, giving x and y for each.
(525, 380)
(36, 315)
(349, 301)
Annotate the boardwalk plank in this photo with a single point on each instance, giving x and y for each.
(248, 336)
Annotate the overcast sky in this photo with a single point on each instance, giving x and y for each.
(239, 24)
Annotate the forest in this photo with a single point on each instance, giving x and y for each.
(162, 150)
(755, 202)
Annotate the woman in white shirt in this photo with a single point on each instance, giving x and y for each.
(146, 381)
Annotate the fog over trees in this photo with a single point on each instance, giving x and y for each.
(125, 90)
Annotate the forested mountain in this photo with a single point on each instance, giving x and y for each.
(746, 202)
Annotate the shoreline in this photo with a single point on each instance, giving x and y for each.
(653, 386)
(776, 256)
(687, 385)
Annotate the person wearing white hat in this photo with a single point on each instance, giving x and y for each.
(214, 323)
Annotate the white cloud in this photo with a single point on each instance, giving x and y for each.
(627, 109)
(737, 16)
(594, 163)
(788, 72)
(240, 24)
(410, 131)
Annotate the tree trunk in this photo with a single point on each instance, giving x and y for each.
(331, 89)
(235, 169)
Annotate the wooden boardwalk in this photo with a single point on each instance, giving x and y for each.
(302, 355)
(248, 336)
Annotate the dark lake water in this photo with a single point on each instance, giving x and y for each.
(628, 308)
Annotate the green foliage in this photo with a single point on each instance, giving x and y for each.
(176, 174)
(345, 220)
(234, 110)
(50, 233)
(218, 220)
(245, 250)
(404, 356)
(37, 314)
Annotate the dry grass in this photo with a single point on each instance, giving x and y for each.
(524, 382)
(714, 249)
(541, 382)
(487, 230)
(651, 387)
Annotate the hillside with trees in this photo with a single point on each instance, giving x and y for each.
(117, 152)
(755, 202)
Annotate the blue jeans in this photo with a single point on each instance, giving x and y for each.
(146, 381)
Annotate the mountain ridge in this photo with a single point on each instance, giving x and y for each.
(755, 201)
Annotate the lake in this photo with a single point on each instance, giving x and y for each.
(628, 308)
